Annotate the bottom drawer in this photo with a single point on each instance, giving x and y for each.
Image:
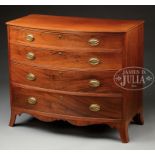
(80, 106)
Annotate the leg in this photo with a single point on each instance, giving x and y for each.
(139, 118)
(123, 130)
(12, 119)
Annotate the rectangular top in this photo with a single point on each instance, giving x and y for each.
(64, 23)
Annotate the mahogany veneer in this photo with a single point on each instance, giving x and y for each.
(62, 68)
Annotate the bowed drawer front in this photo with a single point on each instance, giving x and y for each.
(68, 80)
(80, 106)
(62, 68)
(66, 39)
(98, 59)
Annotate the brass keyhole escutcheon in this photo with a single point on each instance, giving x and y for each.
(61, 97)
(60, 53)
(60, 36)
(60, 73)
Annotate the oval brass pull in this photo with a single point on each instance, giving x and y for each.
(31, 77)
(94, 107)
(93, 42)
(94, 83)
(30, 56)
(32, 100)
(30, 37)
(94, 61)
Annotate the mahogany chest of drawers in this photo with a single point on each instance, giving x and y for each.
(62, 68)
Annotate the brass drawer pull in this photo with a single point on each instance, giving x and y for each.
(93, 42)
(30, 56)
(94, 107)
(94, 83)
(30, 37)
(31, 77)
(94, 61)
(32, 100)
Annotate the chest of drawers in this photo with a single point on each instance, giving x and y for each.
(62, 68)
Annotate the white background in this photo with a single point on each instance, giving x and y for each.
(76, 2)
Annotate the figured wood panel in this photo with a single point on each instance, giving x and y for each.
(65, 39)
(67, 104)
(66, 80)
(78, 59)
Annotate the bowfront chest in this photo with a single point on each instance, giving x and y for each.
(62, 68)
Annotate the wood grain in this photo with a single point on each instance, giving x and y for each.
(133, 100)
(68, 40)
(67, 104)
(63, 23)
(69, 59)
(62, 80)
(66, 80)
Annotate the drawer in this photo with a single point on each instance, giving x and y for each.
(66, 39)
(98, 60)
(65, 80)
(79, 106)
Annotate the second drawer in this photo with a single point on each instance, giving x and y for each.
(99, 59)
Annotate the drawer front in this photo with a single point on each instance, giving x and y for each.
(66, 39)
(99, 60)
(67, 104)
(71, 80)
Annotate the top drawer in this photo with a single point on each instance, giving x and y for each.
(50, 39)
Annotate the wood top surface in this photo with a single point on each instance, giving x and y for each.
(64, 23)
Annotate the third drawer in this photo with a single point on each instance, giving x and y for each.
(64, 80)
